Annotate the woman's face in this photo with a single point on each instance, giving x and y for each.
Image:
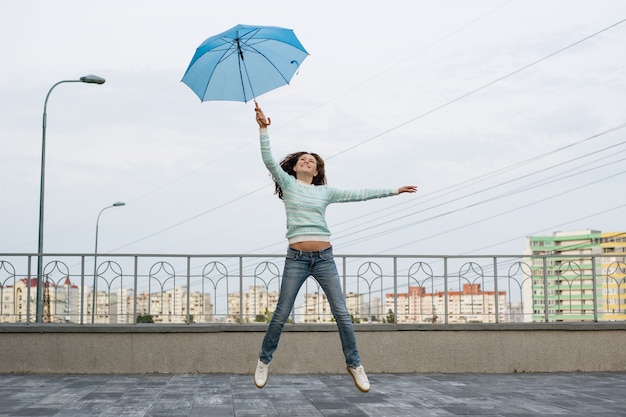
(306, 164)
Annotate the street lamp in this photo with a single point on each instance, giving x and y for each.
(95, 261)
(89, 79)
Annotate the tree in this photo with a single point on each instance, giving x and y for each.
(145, 318)
(391, 317)
(266, 317)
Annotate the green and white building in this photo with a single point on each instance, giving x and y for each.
(576, 276)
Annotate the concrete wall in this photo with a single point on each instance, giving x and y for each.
(475, 348)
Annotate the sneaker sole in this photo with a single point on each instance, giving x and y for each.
(260, 386)
(355, 384)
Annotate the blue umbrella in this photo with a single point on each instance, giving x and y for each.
(244, 62)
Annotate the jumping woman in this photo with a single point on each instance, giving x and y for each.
(300, 181)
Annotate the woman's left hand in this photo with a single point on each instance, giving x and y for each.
(407, 189)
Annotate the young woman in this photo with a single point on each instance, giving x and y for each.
(300, 181)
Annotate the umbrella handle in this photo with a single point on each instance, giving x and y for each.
(260, 116)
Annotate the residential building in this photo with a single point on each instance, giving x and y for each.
(471, 305)
(61, 303)
(569, 284)
(258, 304)
(170, 306)
(316, 309)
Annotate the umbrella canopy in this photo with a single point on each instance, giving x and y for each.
(244, 62)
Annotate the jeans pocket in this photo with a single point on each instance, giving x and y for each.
(292, 255)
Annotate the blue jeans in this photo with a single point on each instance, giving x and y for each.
(299, 266)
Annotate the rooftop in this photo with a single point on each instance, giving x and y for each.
(189, 395)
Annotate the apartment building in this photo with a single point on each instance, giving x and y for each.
(259, 304)
(316, 309)
(470, 305)
(255, 305)
(61, 304)
(170, 306)
(571, 285)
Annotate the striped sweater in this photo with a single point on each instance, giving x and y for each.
(305, 204)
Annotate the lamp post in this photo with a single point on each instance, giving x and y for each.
(95, 261)
(89, 79)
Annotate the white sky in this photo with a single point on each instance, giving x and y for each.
(468, 100)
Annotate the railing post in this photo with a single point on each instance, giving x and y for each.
(495, 289)
(343, 273)
(395, 289)
(188, 288)
(595, 288)
(82, 288)
(240, 290)
(546, 312)
(445, 288)
(29, 280)
(135, 291)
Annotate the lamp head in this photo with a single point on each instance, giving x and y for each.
(92, 79)
(119, 203)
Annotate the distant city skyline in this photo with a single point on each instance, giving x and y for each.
(467, 293)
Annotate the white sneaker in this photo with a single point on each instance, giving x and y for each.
(359, 377)
(260, 375)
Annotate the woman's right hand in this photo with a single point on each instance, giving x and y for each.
(260, 117)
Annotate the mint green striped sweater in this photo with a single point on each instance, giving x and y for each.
(305, 205)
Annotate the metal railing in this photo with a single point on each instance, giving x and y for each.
(170, 288)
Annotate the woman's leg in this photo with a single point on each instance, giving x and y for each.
(295, 272)
(325, 272)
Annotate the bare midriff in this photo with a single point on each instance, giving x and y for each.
(310, 246)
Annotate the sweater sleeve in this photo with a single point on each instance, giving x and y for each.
(345, 196)
(279, 175)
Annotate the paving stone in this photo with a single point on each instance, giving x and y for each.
(194, 395)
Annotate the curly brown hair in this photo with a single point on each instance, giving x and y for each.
(289, 162)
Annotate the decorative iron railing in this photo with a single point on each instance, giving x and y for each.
(162, 288)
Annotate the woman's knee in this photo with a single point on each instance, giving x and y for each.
(281, 314)
(342, 316)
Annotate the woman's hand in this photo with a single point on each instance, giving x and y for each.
(260, 117)
(407, 189)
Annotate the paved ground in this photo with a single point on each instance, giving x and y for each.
(554, 394)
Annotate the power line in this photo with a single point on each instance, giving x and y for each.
(420, 116)
(484, 86)
(192, 218)
(504, 212)
(427, 47)
(500, 171)
(553, 227)
(472, 205)
(445, 191)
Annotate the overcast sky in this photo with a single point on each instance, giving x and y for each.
(508, 115)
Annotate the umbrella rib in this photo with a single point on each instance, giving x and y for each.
(246, 44)
(241, 62)
(245, 69)
(255, 50)
(227, 52)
